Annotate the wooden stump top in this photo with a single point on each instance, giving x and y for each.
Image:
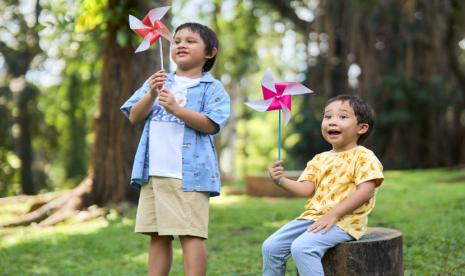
(376, 234)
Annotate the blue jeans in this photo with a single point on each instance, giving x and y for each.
(307, 248)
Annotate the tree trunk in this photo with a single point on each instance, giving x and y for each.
(116, 139)
(25, 142)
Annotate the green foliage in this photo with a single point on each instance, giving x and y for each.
(91, 15)
(69, 106)
(407, 104)
(9, 161)
(426, 206)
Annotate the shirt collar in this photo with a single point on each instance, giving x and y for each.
(206, 77)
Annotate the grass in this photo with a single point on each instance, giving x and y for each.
(427, 206)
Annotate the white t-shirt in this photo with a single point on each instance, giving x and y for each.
(167, 132)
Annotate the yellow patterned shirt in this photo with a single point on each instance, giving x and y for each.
(336, 175)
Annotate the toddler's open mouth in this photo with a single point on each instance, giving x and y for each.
(333, 132)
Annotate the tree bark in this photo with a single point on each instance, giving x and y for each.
(378, 252)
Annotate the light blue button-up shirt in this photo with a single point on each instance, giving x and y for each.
(199, 161)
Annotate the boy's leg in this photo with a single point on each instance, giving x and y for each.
(276, 249)
(309, 248)
(194, 255)
(160, 255)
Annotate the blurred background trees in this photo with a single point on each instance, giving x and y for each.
(66, 67)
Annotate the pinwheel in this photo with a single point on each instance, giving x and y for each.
(277, 96)
(151, 28)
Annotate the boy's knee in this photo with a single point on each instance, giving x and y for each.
(300, 250)
(269, 247)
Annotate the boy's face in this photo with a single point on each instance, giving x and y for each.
(188, 50)
(340, 127)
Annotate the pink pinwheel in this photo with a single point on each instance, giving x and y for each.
(151, 28)
(277, 96)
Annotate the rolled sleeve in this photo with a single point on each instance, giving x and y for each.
(136, 96)
(369, 168)
(217, 105)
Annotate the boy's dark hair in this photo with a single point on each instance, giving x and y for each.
(362, 110)
(209, 38)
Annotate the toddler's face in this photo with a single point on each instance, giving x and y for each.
(188, 50)
(340, 127)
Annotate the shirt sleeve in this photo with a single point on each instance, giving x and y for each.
(136, 96)
(217, 105)
(311, 171)
(368, 168)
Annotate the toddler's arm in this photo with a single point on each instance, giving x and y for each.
(302, 188)
(364, 192)
(145, 105)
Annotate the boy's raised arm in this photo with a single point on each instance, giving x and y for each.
(299, 188)
(145, 105)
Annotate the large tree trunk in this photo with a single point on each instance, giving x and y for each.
(116, 139)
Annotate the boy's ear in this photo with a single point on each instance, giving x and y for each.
(362, 128)
(212, 53)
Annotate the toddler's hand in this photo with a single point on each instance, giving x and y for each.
(276, 171)
(325, 223)
(156, 82)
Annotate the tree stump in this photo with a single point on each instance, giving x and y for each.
(377, 253)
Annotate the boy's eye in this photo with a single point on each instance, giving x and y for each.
(327, 116)
(343, 116)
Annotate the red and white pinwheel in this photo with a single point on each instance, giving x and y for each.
(150, 28)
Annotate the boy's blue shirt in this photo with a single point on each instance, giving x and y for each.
(199, 161)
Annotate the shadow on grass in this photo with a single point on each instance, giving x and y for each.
(95, 248)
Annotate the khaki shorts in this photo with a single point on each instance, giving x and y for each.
(164, 208)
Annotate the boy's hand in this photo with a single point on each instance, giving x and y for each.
(276, 171)
(156, 82)
(325, 223)
(168, 101)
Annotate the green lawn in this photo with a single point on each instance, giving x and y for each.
(427, 206)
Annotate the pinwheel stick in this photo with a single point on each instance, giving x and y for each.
(279, 134)
(161, 53)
